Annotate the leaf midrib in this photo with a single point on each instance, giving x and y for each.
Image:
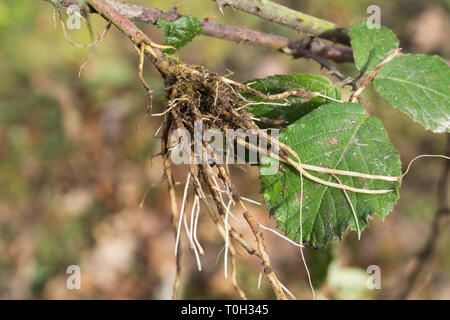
(415, 84)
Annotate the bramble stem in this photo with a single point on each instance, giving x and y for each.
(290, 18)
(296, 48)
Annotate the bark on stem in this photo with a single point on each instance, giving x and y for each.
(295, 48)
(290, 18)
(138, 37)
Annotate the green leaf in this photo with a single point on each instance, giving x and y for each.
(179, 32)
(371, 46)
(336, 136)
(419, 85)
(297, 107)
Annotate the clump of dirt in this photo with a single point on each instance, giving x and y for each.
(198, 95)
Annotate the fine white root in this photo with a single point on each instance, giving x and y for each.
(220, 252)
(66, 35)
(190, 231)
(91, 52)
(237, 219)
(350, 173)
(227, 239)
(191, 227)
(288, 291)
(300, 168)
(279, 145)
(93, 44)
(234, 91)
(148, 48)
(251, 201)
(216, 186)
(192, 245)
(230, 197)
(263, 103)
(157, 130)
(181, 212)
(153, 185)
(424, 156)
(280, 235)
(329, 98)
(227, 226)
(302, 172)
(163, 113)
(259, 280)
(172, 104)
(197, 214)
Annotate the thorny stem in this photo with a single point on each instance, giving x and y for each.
(138, 37)
(297, 48)
(290, 18)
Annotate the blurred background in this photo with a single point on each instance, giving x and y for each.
(78, 185)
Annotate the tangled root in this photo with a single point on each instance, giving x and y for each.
(198, 95)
